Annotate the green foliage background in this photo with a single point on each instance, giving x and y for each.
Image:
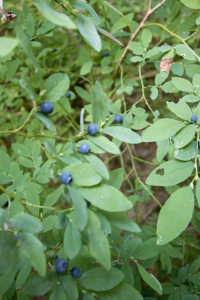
(55, 47)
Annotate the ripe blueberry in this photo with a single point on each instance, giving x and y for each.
(61, 265)
(67, 95)
(118, 119)
(93, 128)
(194, 118)
(46, 107)
(84, 148)
(76, 272)
(66, 178)
(106, 53)
(16, 236)
(54, 50)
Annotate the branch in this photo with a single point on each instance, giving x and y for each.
(8, 16)
(149, 12)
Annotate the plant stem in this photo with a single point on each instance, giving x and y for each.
(143, 94)
(24, 61)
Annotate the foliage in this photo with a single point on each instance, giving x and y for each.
(85, 58)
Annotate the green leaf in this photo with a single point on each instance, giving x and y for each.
(116, 178)
(194, 4)
(161, 77)
(58, 294)
(183, 84)
(7, 45)
(147, 249)
(89, 32)
(52, 198)
(187, 153)
(53, 16)
(175, 215)
(72, 240)
(31, 196)
(24, 83)
(39, 286)
(6, 280)
(30, 26)
(170, 173)
(196, 83)
(122, 221)
(136, 58)
(86, 67)
(136, 48)
(83, 174)
(56, 86)
(198, 191)
(4, 179)
(26, 223)
(88, 297)
(128, 248)
(99, 103)
(154, 93)
(104, 143)
(194, 266)
(163, 147)
(22, 295)
(83, 93)
(121, 23)
(146, 37)
(177, 69)
(80, 207)
(123, 134)
(98, 279)
(22, 276)
(98, 165)
(21, 149)
(46, 121)
(106, 198)
(168, 87)
(33, 249)
(150, 279)
(184, 136)
(26, 162)
(161, 130)
(98, 244)
(80, 5)
(191, 98)
(185, 51)
(181, 109)
(128, 273)
(122, 291)
(69, 287)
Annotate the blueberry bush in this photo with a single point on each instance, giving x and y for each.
(85, 85)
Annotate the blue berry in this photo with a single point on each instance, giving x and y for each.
(54, 50)
(118, 119)
(46, 107)
(76, 272)
(67, 95)
(16, 236)
(110, 112)
(93, 128)
(66, 178)
(106, 53)
(61, 265)
(84, 148)
(194, 118)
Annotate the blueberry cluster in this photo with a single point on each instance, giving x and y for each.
(61, 266)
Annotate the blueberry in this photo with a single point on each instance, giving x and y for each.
(67, 95)
(16, 236)
(118, 119)
(46, 107)
(194, 118)
(76, 272)
(84, 148)
(93, 128)
(66, 178)
(110, 112)
(61, 265)
(106, 53)
(54, 50)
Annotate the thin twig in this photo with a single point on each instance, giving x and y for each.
(149, 12)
